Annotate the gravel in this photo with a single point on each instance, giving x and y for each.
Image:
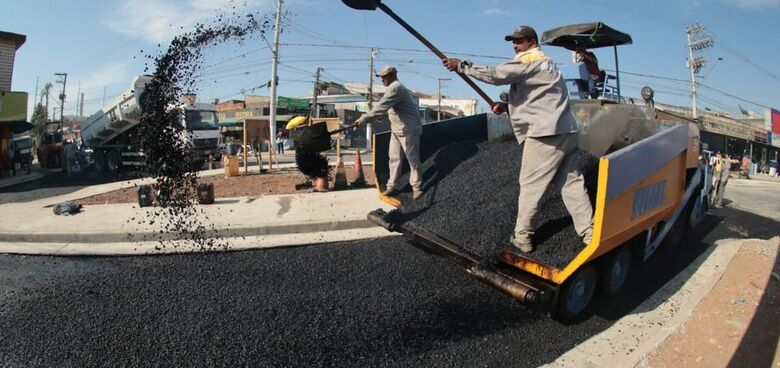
(471, 191)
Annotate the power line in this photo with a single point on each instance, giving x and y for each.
(393, 49)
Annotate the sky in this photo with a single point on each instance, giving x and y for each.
(100, 44)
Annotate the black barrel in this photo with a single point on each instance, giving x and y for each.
(144, 196)
(206, 193)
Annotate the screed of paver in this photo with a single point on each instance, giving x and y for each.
(738, 323)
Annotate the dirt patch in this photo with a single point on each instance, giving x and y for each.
(249, 185)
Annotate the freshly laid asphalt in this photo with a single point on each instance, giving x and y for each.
(379, 302)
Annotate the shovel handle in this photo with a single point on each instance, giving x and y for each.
(435, 51)
(339, 130)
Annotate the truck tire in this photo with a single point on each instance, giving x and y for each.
(615, 269)
(576, 293)
(113, 165)
(100, 161)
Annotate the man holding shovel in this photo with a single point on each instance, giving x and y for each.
(402, 109)
(539, 110)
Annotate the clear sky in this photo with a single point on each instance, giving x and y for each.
(98, 43)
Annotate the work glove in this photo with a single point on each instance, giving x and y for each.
(360, 120)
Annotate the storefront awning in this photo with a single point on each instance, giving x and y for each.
(17, 127)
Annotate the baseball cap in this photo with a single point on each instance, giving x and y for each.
(521, 32)
(387, 70)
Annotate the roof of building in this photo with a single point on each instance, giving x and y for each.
(16, 38)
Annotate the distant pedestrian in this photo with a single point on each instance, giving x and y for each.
(70, 156)
(281, 136)
(745, 167)
(402, 109)
(723, 179)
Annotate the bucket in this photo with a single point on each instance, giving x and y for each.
(230, 163)
(144, 196)
(232, 149)
(205, 193)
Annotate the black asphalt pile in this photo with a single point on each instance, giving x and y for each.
(471, 194)
(167, 156)
(373, 303)
(312, 164)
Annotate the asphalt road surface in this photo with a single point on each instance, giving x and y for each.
(377, 303)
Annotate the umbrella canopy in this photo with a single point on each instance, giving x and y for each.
(586, 35)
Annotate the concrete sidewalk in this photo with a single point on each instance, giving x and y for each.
(121, 229)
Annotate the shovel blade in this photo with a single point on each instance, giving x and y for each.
(362, 4)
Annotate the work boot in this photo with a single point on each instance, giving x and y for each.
(523, 246)
(389, 191)
(417, 194)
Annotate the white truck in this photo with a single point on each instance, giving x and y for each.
(112, 133)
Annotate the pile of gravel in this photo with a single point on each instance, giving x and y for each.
(471, 191)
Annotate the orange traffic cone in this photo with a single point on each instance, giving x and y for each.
(360, 177)
(321, 184)
(340, 183)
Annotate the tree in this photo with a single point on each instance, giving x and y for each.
(38, 119)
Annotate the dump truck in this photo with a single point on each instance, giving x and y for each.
(651, 186)
(112, 133)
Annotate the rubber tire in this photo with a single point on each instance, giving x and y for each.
(618, 260)
(576, 293)
(99, 157)
(113, 165)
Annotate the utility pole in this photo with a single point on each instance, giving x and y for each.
(315, 113)
(438, 110)
(696, 43)
(371, 57)
(35, 99)
(274, 78)
(81, 108)
(104, 96)
(64, 80)
(78, 98)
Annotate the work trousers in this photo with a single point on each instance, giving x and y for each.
(409, 145)
(552, 160)
(722, 181)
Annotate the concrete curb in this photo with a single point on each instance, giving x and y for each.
(147, 248)
(156, 236)
(629, 341)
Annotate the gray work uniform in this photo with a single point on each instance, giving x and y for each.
(402, 110)
(723, 179)
(541, 118)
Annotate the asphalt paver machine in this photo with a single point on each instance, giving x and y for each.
(651, 186)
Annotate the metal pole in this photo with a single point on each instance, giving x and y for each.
(617, 72)
(315, 92)
(62, 96)
(274, 65)
(691, 67)
(369, 127)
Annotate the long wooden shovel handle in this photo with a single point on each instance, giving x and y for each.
(435, 51)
